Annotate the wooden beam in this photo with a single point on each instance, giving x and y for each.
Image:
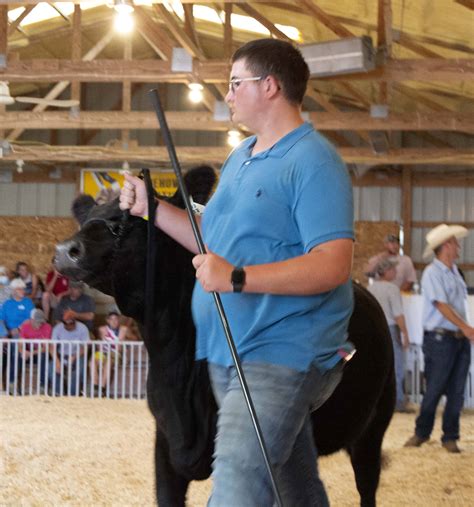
(126, 93)
(190, 26)
(253, 13)
(154, 34)
(466, 3)
(227, 30)
(407, 202)
(174, 27)
(328, 21)
(62, 85)
(15, 24)
(200, 154)
(384, 43)
(187, 120)
(217, 71)
(3, 50)
(76, 49)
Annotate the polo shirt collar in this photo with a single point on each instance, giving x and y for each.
(281, 147)
(443, 266)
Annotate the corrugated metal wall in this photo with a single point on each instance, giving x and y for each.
(36, 199)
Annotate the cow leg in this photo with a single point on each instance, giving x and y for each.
(366, 451)
(170, 486)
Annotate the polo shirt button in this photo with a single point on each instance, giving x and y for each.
(247, 163)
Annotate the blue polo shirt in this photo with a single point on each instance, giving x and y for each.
(273, 206)
(439, 283)
(14, 312)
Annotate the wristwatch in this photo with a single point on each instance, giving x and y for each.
(238, 279)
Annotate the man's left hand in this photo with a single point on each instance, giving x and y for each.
(213, 272)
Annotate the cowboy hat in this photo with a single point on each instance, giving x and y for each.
(440, 234)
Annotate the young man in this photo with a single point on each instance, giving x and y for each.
(389, 297)
(279, 232)
(405, 275)
(446, 337)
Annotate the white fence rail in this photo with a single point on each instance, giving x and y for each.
(120, 370)
(94, 369)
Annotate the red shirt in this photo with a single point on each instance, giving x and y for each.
(61, 285)
(28, 332)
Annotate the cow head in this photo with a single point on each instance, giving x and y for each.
(109, 250)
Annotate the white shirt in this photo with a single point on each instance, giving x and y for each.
(389, 297)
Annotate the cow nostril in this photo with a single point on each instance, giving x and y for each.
(75, 251)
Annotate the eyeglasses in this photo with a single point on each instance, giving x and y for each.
(235, 83)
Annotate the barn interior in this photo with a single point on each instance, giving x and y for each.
(395, 97)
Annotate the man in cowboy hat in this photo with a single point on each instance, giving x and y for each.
(446, 337)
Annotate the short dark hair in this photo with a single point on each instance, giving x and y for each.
(273, 57)
(110, 314)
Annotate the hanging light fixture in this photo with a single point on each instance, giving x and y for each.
(123, 22)
(195, 94)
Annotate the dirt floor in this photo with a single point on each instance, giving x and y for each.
(82, 452)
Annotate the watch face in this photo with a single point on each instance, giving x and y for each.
(238, 276)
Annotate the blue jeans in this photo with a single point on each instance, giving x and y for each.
(447, 362)
(73, 372)
(283, 400)
(28, 362)
(399, 359)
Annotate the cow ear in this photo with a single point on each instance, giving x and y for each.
(81, 207)
(200, 182)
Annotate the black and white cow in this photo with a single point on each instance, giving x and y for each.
(109, 254)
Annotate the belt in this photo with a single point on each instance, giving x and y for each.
(446, 332)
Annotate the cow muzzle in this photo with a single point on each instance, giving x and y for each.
(68, 256)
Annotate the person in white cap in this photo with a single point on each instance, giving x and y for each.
(446, 337)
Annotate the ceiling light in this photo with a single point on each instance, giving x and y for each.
(195, 94)
(123, 6)
(19, 166)
(123, 22)
(234, 137)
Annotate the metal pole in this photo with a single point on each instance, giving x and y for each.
(220, 309)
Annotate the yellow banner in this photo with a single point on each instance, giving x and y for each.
(104, 184)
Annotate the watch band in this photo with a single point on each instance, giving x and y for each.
(237, 279)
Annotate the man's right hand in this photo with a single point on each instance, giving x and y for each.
(133, 196)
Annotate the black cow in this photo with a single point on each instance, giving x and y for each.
(109, 254)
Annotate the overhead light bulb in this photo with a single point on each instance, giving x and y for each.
(123, 22)
(233, 138)
(195, 94)
(19, 166)
(123, 6)
(125, 166)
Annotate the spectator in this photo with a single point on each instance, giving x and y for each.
(32, 281)
(36, 328)
(111, 333)
(405, 273)
(446, 337)
(78, 306)
(389, 297)
(5, 293)
(13, 313)
(57, 286)
(69, 359)
(17, 309)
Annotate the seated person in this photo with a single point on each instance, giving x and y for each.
(5, 293)
(57, 286)
(17, 309)
(69, 359)
(35, 328)
(80, 306)
(32, 282)
(108, 353)
(13, 313)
